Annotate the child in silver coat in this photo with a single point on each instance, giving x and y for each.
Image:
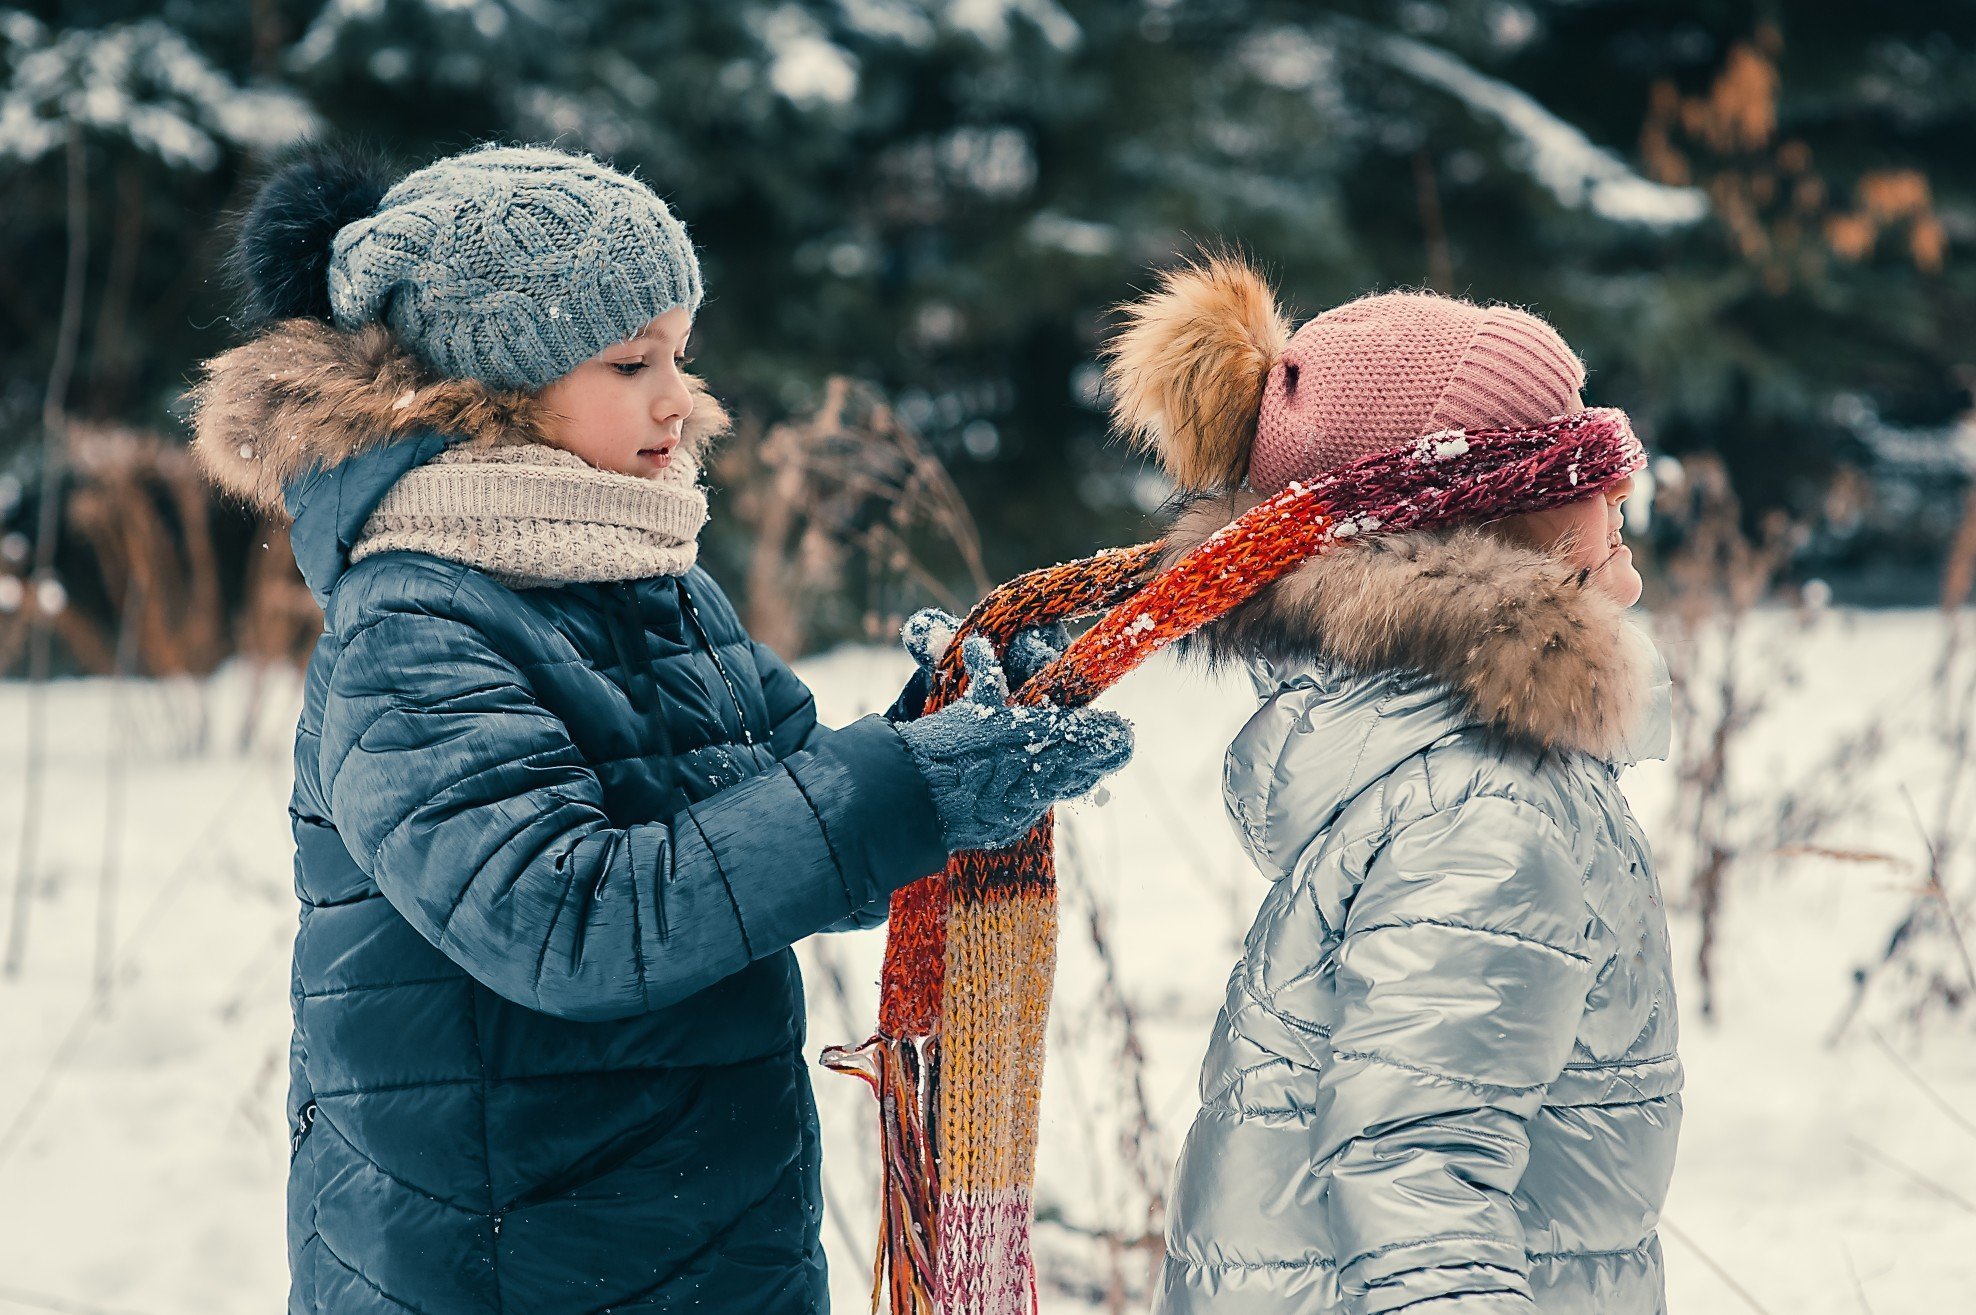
(1444, 1079)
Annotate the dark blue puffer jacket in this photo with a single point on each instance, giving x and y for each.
(552, 847)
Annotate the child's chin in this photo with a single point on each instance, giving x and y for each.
(1625, 584)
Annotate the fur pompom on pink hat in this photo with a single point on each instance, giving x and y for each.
(1207, 374)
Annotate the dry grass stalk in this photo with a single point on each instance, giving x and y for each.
(88, 645)
(1927, 966)
(1960, 574)
(844, 502)
(1712, 581)
(1134, 1249)
(55, 441)
(144, 514)
(125, 480)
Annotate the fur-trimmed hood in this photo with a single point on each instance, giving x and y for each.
(1511, 631)
(306, 397)
(318, 425)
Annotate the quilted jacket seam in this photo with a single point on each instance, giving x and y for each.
(1641, 1247)
(836, 863)
(362, 1277)
(386, 1174)
(1621, 1063)
(1261, 1266)
(1426, 1303)
(333, 992)
(679, 751)
(361, 897)
(1426, 757)
(451, 786)
(387, 614)
(1266, 1001)
(1396, 823)
(383, 614)
(740, 924)
(807, 705)
(1631, 1102)
(1290, 983)
(1400, 924)
(1432, 1239)
(1475, 1083)
(543, 1077)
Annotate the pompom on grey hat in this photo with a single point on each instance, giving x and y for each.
(512, 264)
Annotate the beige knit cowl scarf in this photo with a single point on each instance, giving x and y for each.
(532, 515)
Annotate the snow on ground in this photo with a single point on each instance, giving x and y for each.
(142, 1144)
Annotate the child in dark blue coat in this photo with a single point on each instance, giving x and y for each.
(558, 819)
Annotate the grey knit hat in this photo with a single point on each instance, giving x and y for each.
(512, 264)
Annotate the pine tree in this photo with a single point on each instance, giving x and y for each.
(1750, 219)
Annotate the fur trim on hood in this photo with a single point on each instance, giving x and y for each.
(305, 394)
(1511, 630)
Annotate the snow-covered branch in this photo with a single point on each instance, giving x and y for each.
(1559, 156)
(142, 81)
(1948, 450)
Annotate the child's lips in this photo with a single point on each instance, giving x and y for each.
(657, 456)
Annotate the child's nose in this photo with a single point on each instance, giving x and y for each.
(675, 403)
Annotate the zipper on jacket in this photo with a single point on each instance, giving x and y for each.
(700, 629)
(304, 1123)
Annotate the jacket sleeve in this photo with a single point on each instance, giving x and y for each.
(1461, 980)
(792, 726)
(471, 808)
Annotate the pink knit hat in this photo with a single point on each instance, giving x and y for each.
(1403, 409)
(1377, 372)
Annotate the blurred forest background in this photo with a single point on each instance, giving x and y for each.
(1754, 220)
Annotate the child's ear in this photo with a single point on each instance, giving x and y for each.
(1187, 370)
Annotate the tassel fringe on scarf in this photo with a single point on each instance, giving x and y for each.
(957, 1062)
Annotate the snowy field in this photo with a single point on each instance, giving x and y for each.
(142, 1142)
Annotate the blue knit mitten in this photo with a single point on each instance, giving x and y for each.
(927, 635)
(995, 769)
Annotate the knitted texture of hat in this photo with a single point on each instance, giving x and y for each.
(1377, 372)
(512, 264)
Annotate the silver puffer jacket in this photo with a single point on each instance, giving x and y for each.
(1444, 1079)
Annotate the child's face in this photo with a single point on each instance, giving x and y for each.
(1587, 532)
(624, 408)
